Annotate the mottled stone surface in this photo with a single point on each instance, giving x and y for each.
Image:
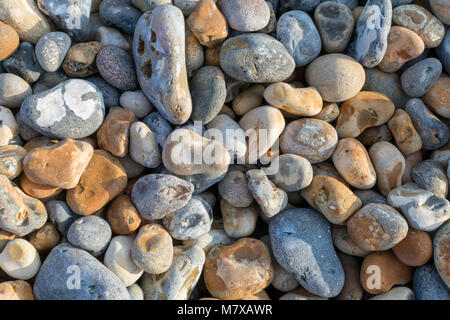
(24, 63)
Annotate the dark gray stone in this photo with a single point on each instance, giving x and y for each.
(419, 78)
(351, 4)
(428, 285)
(370, 196)
(60, 215)
(302, 244)
(443, 51)
(24, 63)
(90, 233)
(49, 80)
(429, 175)
(297, 32)
(26, 132)
(159, 126)
(116, 66)
(303, 5)
(57, 278)
(110, 94)
(119, 14)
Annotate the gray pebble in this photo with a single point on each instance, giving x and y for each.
(132, 168)
(370, 196)
(427, 285)
(73, 109)
(434, 132)
(13, 90)
(397, 293)
(90, 233)
(57, 279)
(430, 176)
(111, 37)
(159, 126)
(60, 215)
(191, 221)
(24, 63)
(110, 93)
(208, 91)
(51, 49)
(351, 4)
(156, 195)
(301, 242)
(246, 15)
(26, 132)
(119, 14)
(303, 5)
(294, 173)
(443, 51)
(137, 102)
(419, 78)
(49, 80)
(256, 58)
(297, 32)
(234, 189)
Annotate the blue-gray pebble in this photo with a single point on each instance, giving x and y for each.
(303, 5)
(297, 32)
(60, 215)
(119, 14)
(352, 4)
(428, 285)
(302, 244)
(24, 63)
(58, 277)
(159, 126)
(110, 94)
(419, 78)
(443, 51)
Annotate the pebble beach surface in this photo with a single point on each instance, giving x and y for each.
(224, 150)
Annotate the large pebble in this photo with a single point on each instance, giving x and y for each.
(13, 90)
(80, 59)
(90, 233)
(234, 189)
(415, 250)
(143, 146)
(297, 32)
(238, 222)
(429, 175)
(441, 243)
(159, 55)
(57, 278)
(255, 58)
(419, 78)
(24, 63)
(137, 102)
(246, 15)
(51, 50)
(301, 242)
(116, 67)
(428, 285)
(122, 216)
(20, 260)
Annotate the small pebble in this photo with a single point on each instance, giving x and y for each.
(20, 260)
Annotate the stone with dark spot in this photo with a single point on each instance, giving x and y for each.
(24, 63)
(419, 78)
(117, 68)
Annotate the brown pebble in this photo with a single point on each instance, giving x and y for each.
(212, 56)
(45, 238)
(122, 215)
(36, 190)
(438, 97)
(406, 137)
(415, 250)
(16, 290)
(9, 40)
(80, 59)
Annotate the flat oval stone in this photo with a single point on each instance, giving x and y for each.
(156, 195)
(256, 58)
(297, 32)
(434, 133)
(428, 285)
(90, 233)
(338, 77)
(9, 40)
(441, 243)
(51, 50)
(119, 14)
(71, 16)
(73, 109)
(372, 31)
(335, 23)
(24, 63)
(301, 242)
(208, 91)
(438, 97)
(246, 15)
(423, 209)
(96, 283)
(116, 67)
(421, 21)
(13, 90)
(159, 55)
(419, 78)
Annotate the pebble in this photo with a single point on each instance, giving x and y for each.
(419, 78)
(233, 188)
(352, 289)
(159, 126)
(372, 29)
(143, 146)
(135, 292)
(423, 209)
(111, 37)
(80, 59)
(396, 293)
(389, 269)
(407, 139)
(60, 215)
(248, 99)
(9, 40)
(337, 77)
(434, 133)
(297, 32)
(45, 239)
(102, 180)
(156, 195)
(441, 252)
(162, 31)
(415, 250)
(430, 176)
(37, 190)
(16, 290)
(11, 158)
(438, 97)
(8, 126)
(51, 50)
(146, 5)
(110, 93)
(238, 270)
(137, 102)
(330, 112)
(294, 173)
(441, 156)
(256, 58)
(20, 260)
(238, 222)
(440, 9)
(335, 23)
(208, 91)
(179, 280)
(195, 57)
(345, 244)
(427, 285)
(152, 249)
(421, 21)
(443, 52)
(90, 233)
(24, 63)
(97, 281)
(118, 260)
(246, 16)
(13, 90)
(122, 215)
(119, 14)
(60, 165)
(307, 252)
(116, 67)
(331, 198)
(73, 109)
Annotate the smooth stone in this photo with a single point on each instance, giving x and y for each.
(13, 90)
(438, 97)
(441, 253)
(434, 133)
(238, 222)
(248, 99)
(60, 215)
(80, 59)
(96, 281)
(297, 32)
(195, 57)
(246, 15)
(191, 221)
(302, 244)
(110, 93)
(419, 78)
(178, 282)
(122, 216)
(234, 189)
(406, 137)
(156, 195)
(440, 9)
(26, 18)
(136, 292)
(372, 30)
(208, 91)
(335, 23)
(373, 135)
(24, 63)
(303, 5)
(159, 126)
(345, 244)
(295, 173)
(256, 58)
(397, 293)
(117, 68)
(137, 102)
(16, 290)
(118, 260)
(9, 40)
(37, 190)
(51, 50)
(416, 249)
(90, 233)
(11, 158)
(119, 14)
(73, 109)
(423, 209)
(429, 175)
(45, 239)
(111, 37)
(20, 260)
(443, 51)
(143, 146)
(428, 285)
(8, 126)
(159, 40)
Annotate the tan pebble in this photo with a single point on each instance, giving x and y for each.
(45, 238)
(330, 112)
(9, 40)
(122, 216)
(344, 242)
(415, 250)
(327, 169)
(248, 99)
(16, 290)
(38, 142)
(228, 111)
(438, 97)
(36, 190)
(406, 137)
(239, 222)
(212, 56)
(11, 158)
(80, 59)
